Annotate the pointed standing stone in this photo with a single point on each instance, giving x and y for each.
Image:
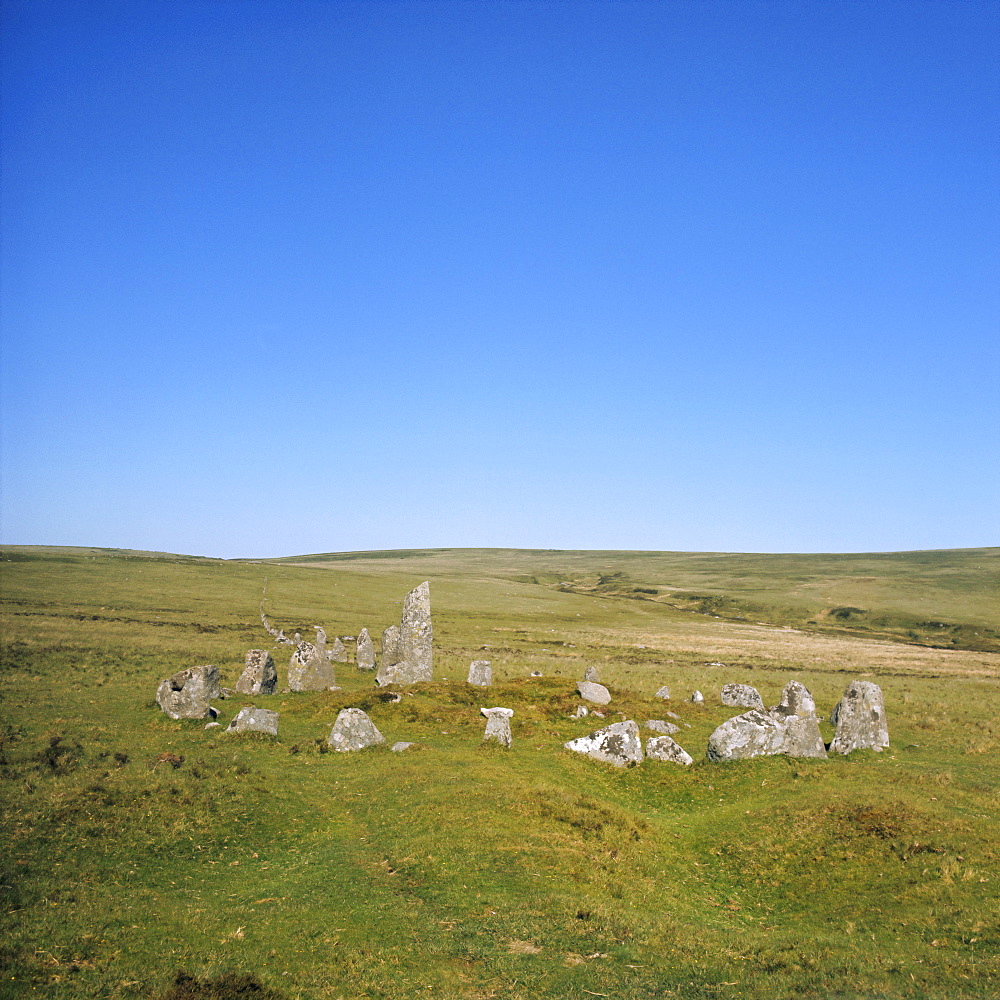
(498, 725)
(338, 651)
(860, 719)
(481, 673)
(365, 657)
(259, 675)
(353, 730)
(413, 660)
(663, 692)
(592, 675)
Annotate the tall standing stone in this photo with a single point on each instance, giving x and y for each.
(481, 673)
(310, 669)
(497, 725)
(365, 657)
(860, 719)
(259, 674)
(410, 653)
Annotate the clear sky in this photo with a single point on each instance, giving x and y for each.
(287, 277)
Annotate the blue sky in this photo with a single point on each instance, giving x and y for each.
(316, 276)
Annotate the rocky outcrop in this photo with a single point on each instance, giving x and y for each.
(353, 730)
(365, 655)
(497, 725)
(665, 749)
(481, 673)
(598, 694)
(617, 744)
(408, 657)
(254, 720)
(259, 674)
(742, 696)
(186, 695)
(860, 719)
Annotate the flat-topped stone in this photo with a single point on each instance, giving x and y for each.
(617, 744)
(498, 725)
(753, 734)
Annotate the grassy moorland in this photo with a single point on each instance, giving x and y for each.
(139, 847)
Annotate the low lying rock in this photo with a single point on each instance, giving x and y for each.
(581, 711)
(498, 725)
(596, 693)
(659, 726)
(353, 730)
(400, 747)
(665, 749)
(617, 744)
(860, 719)
(480, 673)
(752, 734)
(259, 674)
(663, 692)
(742, 696)
(186, 695)
(254, 720)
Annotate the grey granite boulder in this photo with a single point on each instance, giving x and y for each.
(259, 675)
(353, 730)
(617, 744)
(797, 711)
(665, 749)
(187, 694)
(860, 719)
(663, 692)
(596, 693)
(254, 720)
(408, 657)
(659, 726)
(592, 675)
(365, 656)
(338, 651)
(752, 734)
(741, 696)
(310, 669)
(497, 725)
(481, 673)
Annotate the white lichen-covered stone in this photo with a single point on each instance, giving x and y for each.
(752, 734)
(618, 744)
(365, 655)
(259, 674)
(659, 726)
(498, 725)
(186, 695)
(254, 720)
(598, 694)
(353, 730)
(408, 657)
(663, 692)
(310, 669)
(741, 696)
(860, 719)
(666, 749)
(481, 673)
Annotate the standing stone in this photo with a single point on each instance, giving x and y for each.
(742, 696)
(338, 651)
(752, 734)
(797, 711)
(497, 725)
(617, 744)
(390, 646)
(412, 662)
(663, 692)
(310, 669)
(254, 720)
(187, 694)
(481, 673)
(353, 730)
(659, 726)
(860, 719)
(665, 749)
(698, 698)
(259, 675)
(365, 656)
(592, 675)
(597, 693)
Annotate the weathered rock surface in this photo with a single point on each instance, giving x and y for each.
(752, 734)
(338, 651)
(663, 692)
(659, 726)
(259, 674)
(860, 719)
(673, 715)
(581, 711)
(592, 675)
(666, 749)
(187, 694)
(310, 669)
(481, 673)
(390, 645)
(254, 720)
(797, 711)
(697, 698)
(365, 656)
(795, 700)
(400, 747)
(741, 696)
(596, 693)
(353, 730)
(617, 744)
(497, 725)
(412, 659)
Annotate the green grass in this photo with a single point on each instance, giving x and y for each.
(464, 872)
